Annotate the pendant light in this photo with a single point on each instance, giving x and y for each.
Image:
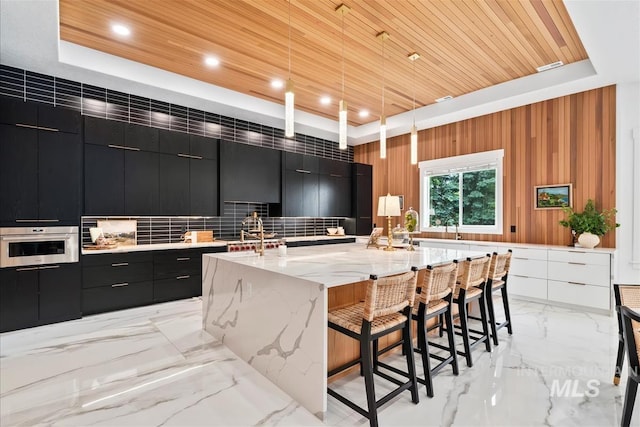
(383, 120)
(288, 94)
(414, 132)
(342, 115)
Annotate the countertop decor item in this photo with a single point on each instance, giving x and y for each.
(411, 221)
(122, 232)
(589, 223)
(389, 206)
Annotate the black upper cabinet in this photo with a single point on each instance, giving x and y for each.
(300, 185)
(103, 132)
(103, 180)
(18, 174)
(141, 137)
(40, 165)
(335, 168)
(249, 173)
(203, 187)
(361, 198)
(173, 142)
(334, 188)
(173, 185)
(15, 111)
(141, 193)
(60, 176)
(206, 148)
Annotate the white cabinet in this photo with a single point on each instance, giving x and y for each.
(566, 276)
(445, 244)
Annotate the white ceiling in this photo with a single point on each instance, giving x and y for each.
(609, 30)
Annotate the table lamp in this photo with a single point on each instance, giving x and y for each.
(389, 206)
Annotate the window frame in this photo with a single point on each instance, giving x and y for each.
(459, 164)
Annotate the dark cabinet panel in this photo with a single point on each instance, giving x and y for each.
(301, 162)
(335, 167)
(18, 298)
(334, 196)
(200, 146)
(171, 142)
(103, 180)
(173, 185)
(310, 195)
(16, 111)
(103, 132)
(116, 297)
(292, 194)
(141, 172)
(116, 273)
(179, 287)
(249, 173)
(18, 174)
(60, 292)
(60, 177)
(177, 274)
(361, 199)
(62, 119)
(203, 187)
(141, 137)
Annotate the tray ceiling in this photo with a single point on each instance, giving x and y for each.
(465, 46)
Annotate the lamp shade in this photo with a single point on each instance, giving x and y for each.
(389, 205)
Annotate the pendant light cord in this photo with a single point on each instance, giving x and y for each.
(383, 78)
(343, 55)
(289, 39)
(414, 91)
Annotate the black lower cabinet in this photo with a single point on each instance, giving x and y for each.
(39, 295)
(116, 281)
(18, 299)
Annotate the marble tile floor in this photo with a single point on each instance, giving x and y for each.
(154, 366)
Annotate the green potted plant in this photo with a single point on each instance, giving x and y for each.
(589, 224)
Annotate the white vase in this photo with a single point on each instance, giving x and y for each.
(588, 240)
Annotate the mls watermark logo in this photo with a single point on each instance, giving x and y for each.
(575, 388)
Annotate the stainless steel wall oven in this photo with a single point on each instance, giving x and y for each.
(22, 246)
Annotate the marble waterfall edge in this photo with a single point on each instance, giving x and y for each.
(275, 322)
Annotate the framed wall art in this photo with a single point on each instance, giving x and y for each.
(552, 196)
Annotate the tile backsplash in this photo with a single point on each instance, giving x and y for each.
(169, 229)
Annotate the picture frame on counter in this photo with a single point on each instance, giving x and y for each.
(552, 196)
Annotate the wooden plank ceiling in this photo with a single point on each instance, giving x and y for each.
(464, 45)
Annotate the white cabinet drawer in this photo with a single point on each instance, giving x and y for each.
(484, 248)
(529, 267)
(586, 295)
(579, 256)
(597, 275)
(444, 244)
(527, 286)
(528, 253)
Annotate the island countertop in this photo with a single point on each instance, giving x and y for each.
(341, 264)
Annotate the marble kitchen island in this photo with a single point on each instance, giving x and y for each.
(271, 311)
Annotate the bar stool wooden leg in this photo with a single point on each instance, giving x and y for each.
(423, 345)
(367, 367)
(492, 313)
(450, 336)
(464, 327)
(619, 361)
(407, 346)
(483, 315)
(507, 311)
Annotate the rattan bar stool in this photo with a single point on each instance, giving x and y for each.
(434, 299)
(628, 295)
(386, 308)
(471, 286)
(498, 274)
(631, 329)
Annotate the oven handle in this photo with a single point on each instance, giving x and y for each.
(41, 237)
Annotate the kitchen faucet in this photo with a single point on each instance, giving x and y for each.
(253, 219)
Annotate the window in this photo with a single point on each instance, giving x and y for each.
(465, 191)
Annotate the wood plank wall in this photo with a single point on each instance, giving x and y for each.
(570, 139)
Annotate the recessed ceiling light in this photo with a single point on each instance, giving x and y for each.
(364, 113)
(550, 66)
(211, 61)
(120, 29)
(277, 84)
(325, 100)
(444, 98)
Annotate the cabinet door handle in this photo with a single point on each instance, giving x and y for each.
(578, 252)
(576, 263)
(37, 220)
(26, 220)
(48, 220)
(123, 147)
(189, 156)
(577, 283)
(119, 264)
(183, 259)
(119, 285)
(302, 171)
(524, 259)
(48, 267)
(365, 217)
(27, 269)
(335, 175)
(518, 275)
(24, 125)
(182, 277)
